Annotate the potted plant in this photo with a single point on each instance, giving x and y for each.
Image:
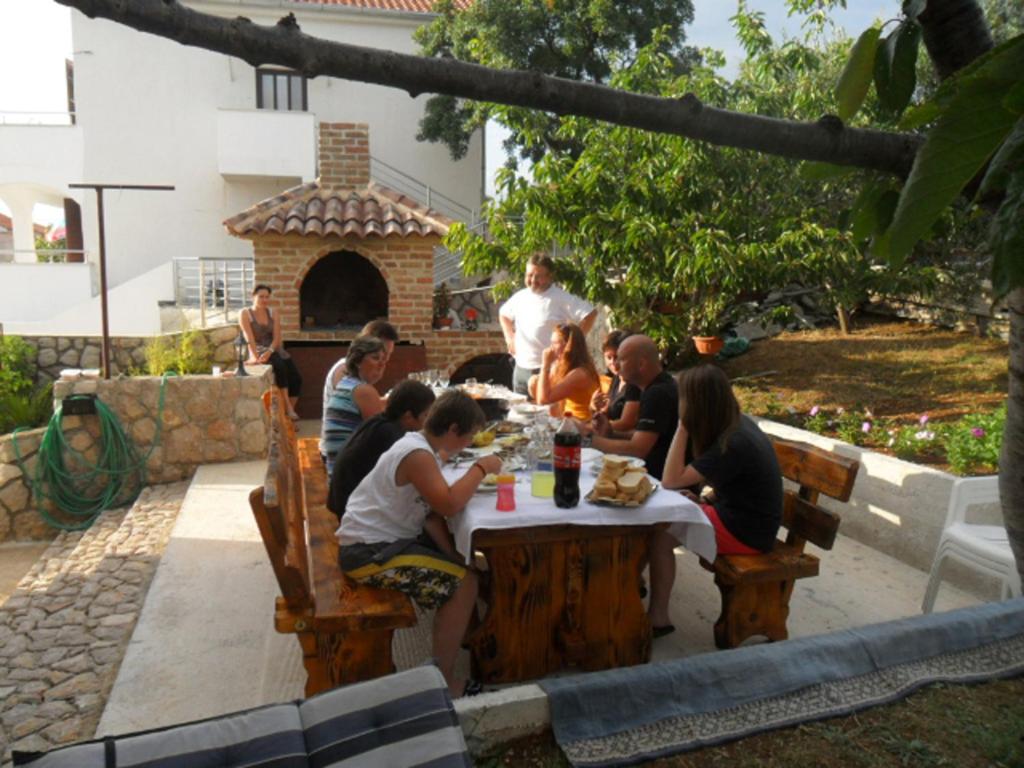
(442, 305)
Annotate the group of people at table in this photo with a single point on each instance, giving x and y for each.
(384, 454)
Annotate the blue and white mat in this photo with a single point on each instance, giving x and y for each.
(623, 716)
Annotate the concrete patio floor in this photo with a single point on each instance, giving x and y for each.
(204, 644)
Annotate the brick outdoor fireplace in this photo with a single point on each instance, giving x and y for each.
(342, 251)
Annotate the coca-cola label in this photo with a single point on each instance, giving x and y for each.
(567, 456)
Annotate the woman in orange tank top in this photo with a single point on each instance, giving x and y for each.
(567, 377)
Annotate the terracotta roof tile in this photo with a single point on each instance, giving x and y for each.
(410, 6)
(312, 209)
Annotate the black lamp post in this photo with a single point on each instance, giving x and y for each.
(241, 347)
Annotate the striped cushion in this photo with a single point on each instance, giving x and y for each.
(398, 721)
(402, 720)
(269, 737)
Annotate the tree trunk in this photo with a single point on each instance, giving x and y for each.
(955, 34)
(1011, 457)
(844, 319)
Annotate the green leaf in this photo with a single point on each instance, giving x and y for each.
(825, 171)
(883, 64)
(853, 83)
(1006, 239)
(865, 213)
(969, 131)
(1009, 159)
(885, 209)
(918, 115)
(903, 72)
(1014, 100)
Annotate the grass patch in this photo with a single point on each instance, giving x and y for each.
(967, 726)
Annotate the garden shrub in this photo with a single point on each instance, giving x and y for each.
(186, 353)
(17, 366)
(972, 443)
(25, 409)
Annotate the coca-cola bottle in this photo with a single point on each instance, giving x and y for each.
(566, 454)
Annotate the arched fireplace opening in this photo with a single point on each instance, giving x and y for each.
(342, 291)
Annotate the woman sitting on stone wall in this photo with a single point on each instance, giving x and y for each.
(262, 331)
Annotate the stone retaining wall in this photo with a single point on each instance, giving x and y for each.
(127, 353)
(19, 518)
(205, 419)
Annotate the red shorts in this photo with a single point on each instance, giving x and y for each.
(727, 543)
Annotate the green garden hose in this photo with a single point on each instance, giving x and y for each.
(78, 487)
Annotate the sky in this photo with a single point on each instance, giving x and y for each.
(35, 39)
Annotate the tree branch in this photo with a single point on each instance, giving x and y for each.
(955, 34)
(827, 140)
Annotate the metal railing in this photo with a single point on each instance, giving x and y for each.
(212, 283)
(37, 118)
(402, 182)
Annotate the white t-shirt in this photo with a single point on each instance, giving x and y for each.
(380, 511)
(535, 316)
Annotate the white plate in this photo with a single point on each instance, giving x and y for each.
(609, 503)
(634, 463)
(589, 454)
(529, 409)
(486, 450)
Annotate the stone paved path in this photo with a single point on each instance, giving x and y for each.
(64, 630)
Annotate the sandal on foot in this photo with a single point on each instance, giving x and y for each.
(667, 629)
(472, 688)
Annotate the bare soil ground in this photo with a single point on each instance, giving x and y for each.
(897, 369)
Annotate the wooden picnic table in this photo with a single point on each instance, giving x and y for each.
(562, 585)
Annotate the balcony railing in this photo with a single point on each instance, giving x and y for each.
(207, 283)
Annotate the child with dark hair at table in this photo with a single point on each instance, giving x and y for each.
(618, 400)
(736, 459)
(382, 538)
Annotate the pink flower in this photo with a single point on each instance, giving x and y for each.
(978, 432)
(815, 410)
(865, 427)
(923, 420)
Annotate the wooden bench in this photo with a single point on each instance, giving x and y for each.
(344, 628)
(756, 588)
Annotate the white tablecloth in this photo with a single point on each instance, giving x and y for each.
(687, 522)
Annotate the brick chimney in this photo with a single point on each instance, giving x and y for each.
(344, 155)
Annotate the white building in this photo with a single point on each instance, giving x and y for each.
(223, 133)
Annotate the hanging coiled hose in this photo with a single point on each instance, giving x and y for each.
(80, 488)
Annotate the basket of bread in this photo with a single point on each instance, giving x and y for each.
(622, 484)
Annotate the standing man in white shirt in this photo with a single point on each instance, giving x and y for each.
(528, 318)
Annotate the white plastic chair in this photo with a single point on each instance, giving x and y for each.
(985, 548)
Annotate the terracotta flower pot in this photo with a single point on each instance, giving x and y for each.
(442, 322)
(708, 345)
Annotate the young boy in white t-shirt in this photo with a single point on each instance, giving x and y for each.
(382, 539)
